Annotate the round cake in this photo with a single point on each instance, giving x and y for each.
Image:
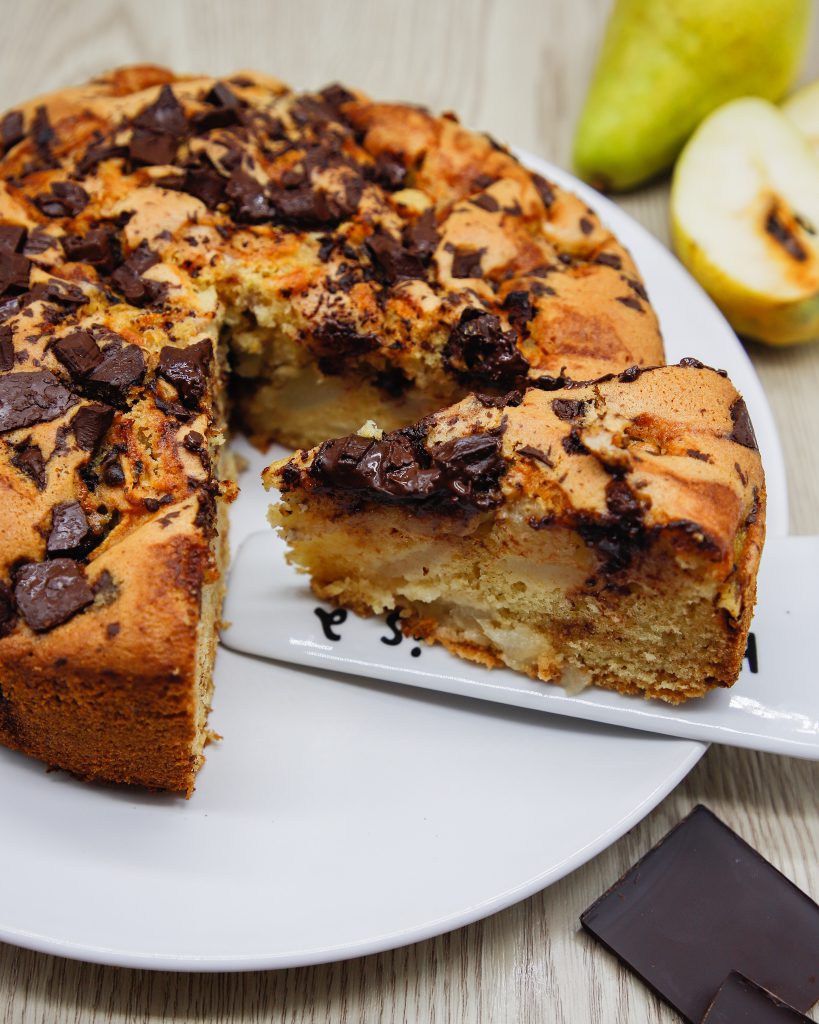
(181, 253)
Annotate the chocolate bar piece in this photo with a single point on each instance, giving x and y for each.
(703, 903)
(740, 1001)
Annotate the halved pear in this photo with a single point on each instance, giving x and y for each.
(803, 109)
(745, 217)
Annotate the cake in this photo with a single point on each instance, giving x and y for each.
(177, 254)
(602, 533)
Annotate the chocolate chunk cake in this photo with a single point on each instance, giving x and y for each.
(605, 532)
(338, 259)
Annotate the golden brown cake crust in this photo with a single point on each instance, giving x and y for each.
(140, 216)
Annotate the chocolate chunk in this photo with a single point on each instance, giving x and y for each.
(66, 199)
(390, 171)
(12, 237)
(42, 135)
(467, 262)
(227, 110)
(393, 262)
(38, 242)
(479, 349)
(486, 202)
(702, 903)
(122, 367)
(631, 302)
(79, 353)
(31, 397)
(221, 95)
(568, 409)
(90, 425)
(204, 182)
(111, 470)
(70, 532)
(740, 1001)
(8, 620)
(422, 238)
(335, 95)
(61, 293)
(96, 153)
(463, 473)
(519, 309)
(743, 432)
(49, 593)
(6, 348)
(536, 453)
(393, 381)
(608, 259)
(128, 278)
(336, 342)
(572, 445)
(28, 458)
(11, 130)
(544, 189)
(249, 202)
(158, 130)
(194, 441)
(187, 369)
(14, 272)
(97, 247)
(586, 225)
(618, 535)
(309, 207)
(152, 148)
(636, 287)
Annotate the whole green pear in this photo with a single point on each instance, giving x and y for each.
(666, 64)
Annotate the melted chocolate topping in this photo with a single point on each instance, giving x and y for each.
(460, 474)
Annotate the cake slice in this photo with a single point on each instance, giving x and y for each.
(604, 533)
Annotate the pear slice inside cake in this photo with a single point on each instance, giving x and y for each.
(604, 533)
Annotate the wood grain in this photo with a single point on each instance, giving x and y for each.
(519, 70)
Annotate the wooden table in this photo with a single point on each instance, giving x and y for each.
(517, 69)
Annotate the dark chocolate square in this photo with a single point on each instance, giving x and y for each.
(703, 903)
(740, 1001)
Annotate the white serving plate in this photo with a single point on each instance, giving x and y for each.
(774, 706)
(340, 817)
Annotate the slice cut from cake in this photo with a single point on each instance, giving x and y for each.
(604, 533)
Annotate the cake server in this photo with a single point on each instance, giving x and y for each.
(272, 613)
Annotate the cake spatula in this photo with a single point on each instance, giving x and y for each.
(774, 705)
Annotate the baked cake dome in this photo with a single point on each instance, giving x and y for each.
(178, 252)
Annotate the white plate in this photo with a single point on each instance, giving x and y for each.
(342, 817)
(774, 706)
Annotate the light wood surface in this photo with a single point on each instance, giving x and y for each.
(517, 69)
